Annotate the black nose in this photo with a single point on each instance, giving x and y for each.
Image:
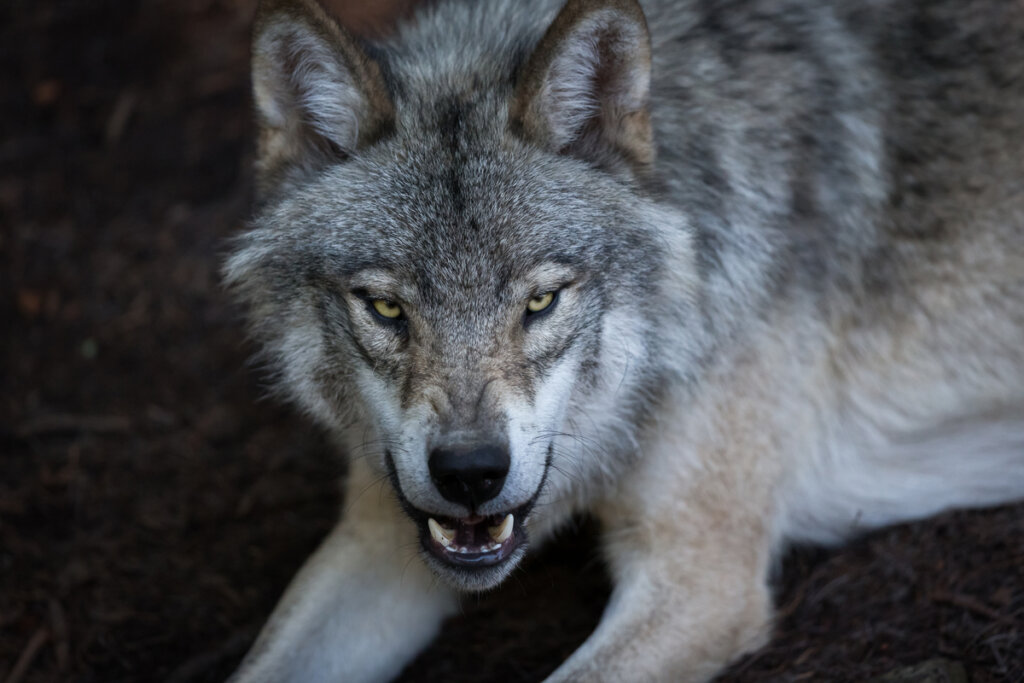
(469, 475)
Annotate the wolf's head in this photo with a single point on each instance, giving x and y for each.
(456, 260)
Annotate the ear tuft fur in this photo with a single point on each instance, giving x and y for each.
(585, 89)
(316, 92)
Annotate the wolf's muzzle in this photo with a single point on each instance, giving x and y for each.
(469, 475)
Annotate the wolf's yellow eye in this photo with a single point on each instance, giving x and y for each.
(540, 302)
(387, 309)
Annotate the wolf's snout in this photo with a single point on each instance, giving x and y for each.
(469, 475)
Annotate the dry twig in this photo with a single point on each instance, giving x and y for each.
(28, 655)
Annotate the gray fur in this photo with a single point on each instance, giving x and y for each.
(790, 316)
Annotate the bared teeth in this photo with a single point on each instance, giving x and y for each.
(445, 537)
(439, 533)
(501, 532)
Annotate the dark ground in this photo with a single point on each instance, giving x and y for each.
(152, 507)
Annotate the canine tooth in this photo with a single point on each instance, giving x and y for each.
(439, 533)
(501, 532)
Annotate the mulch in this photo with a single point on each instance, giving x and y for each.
(153, 505)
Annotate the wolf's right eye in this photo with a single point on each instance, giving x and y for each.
(386, 309)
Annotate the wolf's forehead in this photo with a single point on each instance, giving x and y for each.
(458, 141)
(465, 203)
(459, 202)
(470, 224)
(466, 267)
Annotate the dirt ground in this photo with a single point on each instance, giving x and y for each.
(153, 506)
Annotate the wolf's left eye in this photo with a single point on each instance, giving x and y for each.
(540, 303)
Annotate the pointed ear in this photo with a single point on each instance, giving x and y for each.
(584, 90)
(317, 94)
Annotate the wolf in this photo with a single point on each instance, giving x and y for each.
(724, 275)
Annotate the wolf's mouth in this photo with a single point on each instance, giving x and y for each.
(473, 541)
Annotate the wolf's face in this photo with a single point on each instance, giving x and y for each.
(437, 282)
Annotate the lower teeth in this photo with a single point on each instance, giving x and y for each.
(464, 550)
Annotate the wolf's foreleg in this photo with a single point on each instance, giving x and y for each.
(361, 607)
(689, 535)
(686, 602)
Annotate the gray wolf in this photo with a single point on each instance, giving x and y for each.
(724, 275)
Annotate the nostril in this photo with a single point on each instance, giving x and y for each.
(469, 475)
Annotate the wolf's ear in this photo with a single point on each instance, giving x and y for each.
(317, 93)
(585, 88)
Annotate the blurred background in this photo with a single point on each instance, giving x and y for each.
(153, 506)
